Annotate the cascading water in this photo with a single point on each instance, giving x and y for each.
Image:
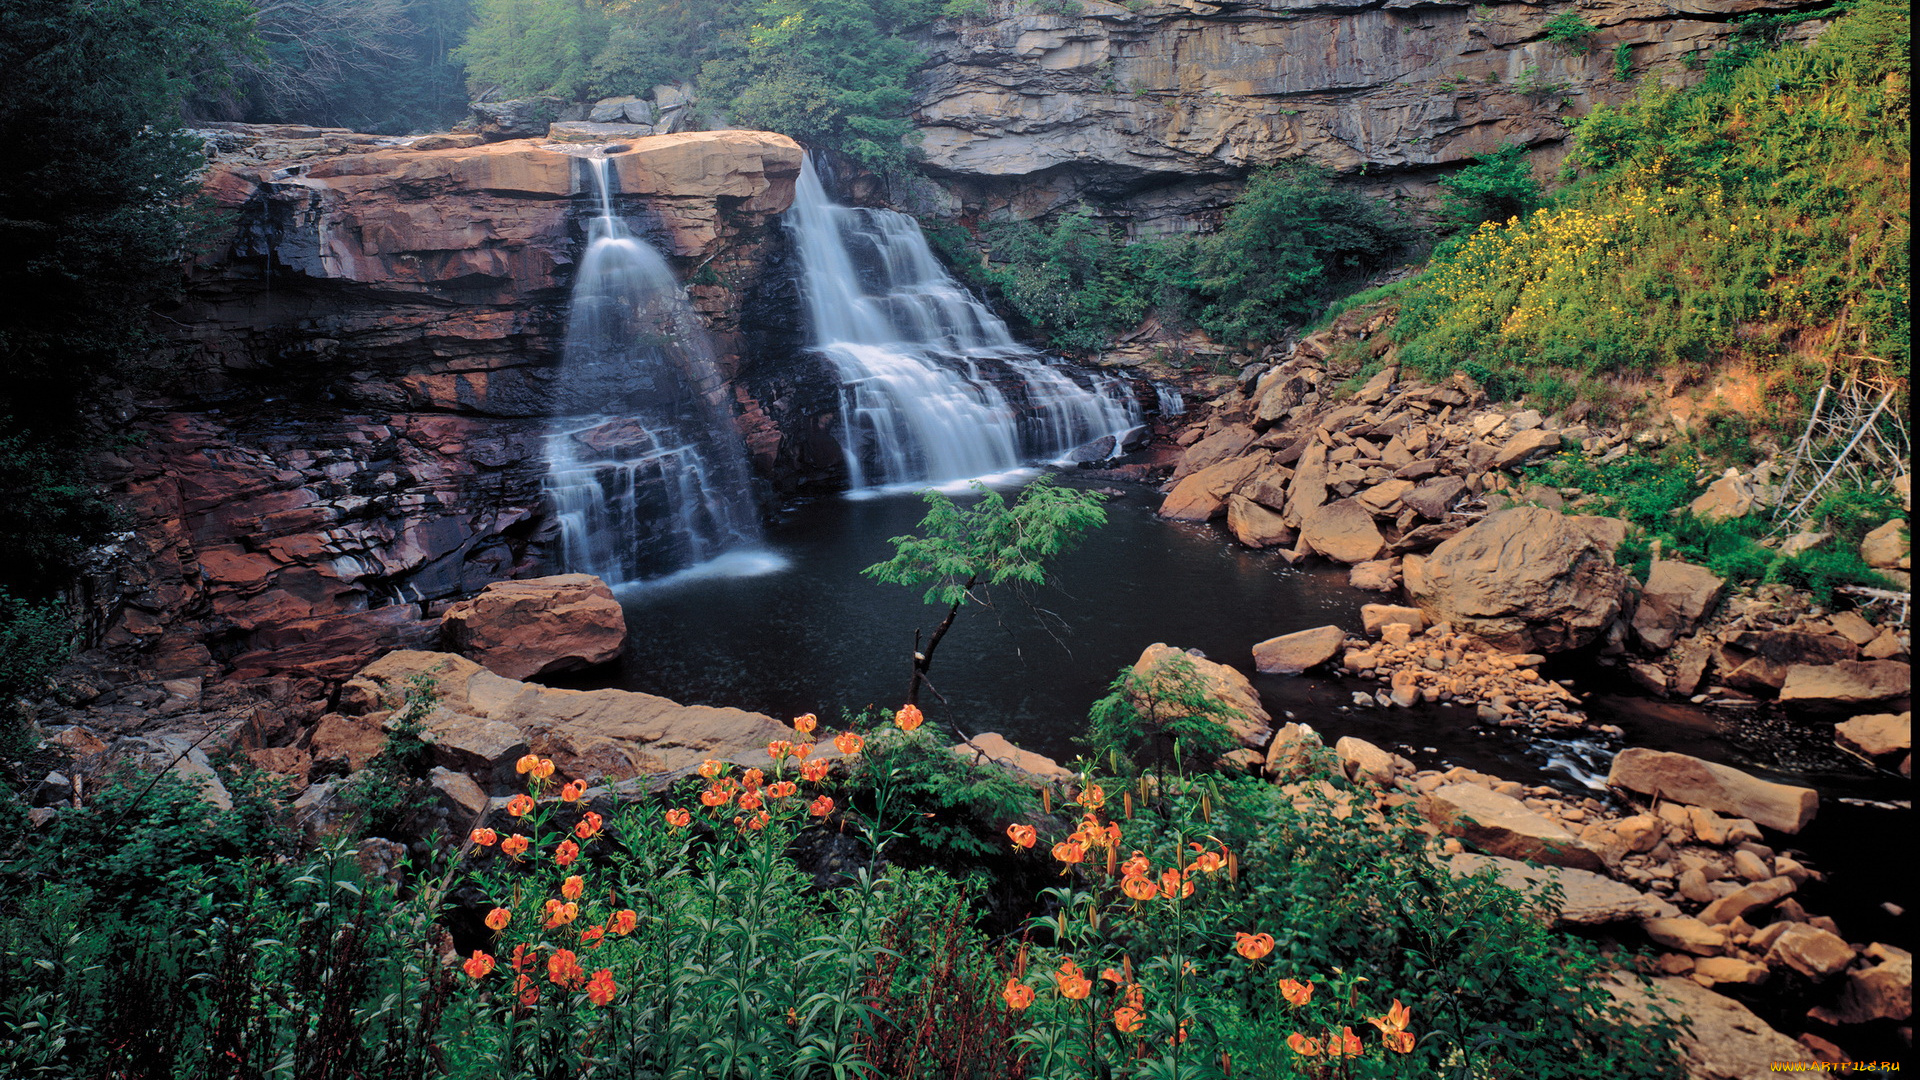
(645, 469)
(915, 353)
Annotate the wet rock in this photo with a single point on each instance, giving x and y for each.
(1676, 597)
(1524, 579)
(1502, 825)
(1203, 495)
(1727, 969)
(1291, 654)
(1250, 723)
(1226, 443)
(1375, 616)
(1375, 576)
(1365, 761)
(1849, 682)
(1725, 1040)
(1694, 782)
(539, 626)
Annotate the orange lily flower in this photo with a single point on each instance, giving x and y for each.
(805, 723)
(1017, 995)
(849, 743)
(1347, 1044)
(573, 887)
(484, 837)
(1072, 981)
(752, 779)
(1126, 1019)
(779, 748)
(908, 718)
(563, 967)
(624, 921)
(1173, 883)
(1023, 836)
(1139, 887)
(572, 790)
(1393, 1028)
(1093, 797)
(542, 769)
(478, 965)
(589, 825)
(751, 800)
(679, 818)
(815, 771)
(560, 914)
(527, 764)
(801, 751)
(520, 806)
(1302, 1045)
(566, 853)
(782, 789)
(710, 769)
(1136, 866)
(1253, 946)
(1296, 993)
(1069, 851)
(821, 806)
(498, 918)
(515, 845)
(600, 988)
(714, 796)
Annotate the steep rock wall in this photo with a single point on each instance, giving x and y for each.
(1147, 110)
(355, 432)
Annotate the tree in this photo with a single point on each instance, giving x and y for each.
(1171, 702)
(963, 551)
(1496, 187)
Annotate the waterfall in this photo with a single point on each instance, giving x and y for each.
(644, 467)
(925, 368)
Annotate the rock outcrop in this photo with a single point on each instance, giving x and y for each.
(1693, 782)
(1725, 1040)
(1154, 108)
(538, 626)
(1156, 694)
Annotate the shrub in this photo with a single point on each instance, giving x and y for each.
(34, 639)
(1496, 187)
(1168, 710)
(1569, 29)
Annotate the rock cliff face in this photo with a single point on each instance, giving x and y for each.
(357, 431)
(1148, 108)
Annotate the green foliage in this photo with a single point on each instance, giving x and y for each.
(990, 543)
(34, 639)
(1762, 212)
(1078, 282)
(1167, 709)
(94, 193)
(911, 786)
(1288, 245)
(1569, 29)
(1496, 187)
(1622, 62)
(528, 47)
(393, 785)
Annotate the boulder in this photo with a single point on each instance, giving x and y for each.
(1502, 825)
(1309, 487)
(1742, 902)
(1384, 497)
(1686, 935)
(1256, 526)
(1876, 735)
(1029, 766)
(345, 744)
(519, 118)
(1849, 682)
(615, 734)
(1850, 625)
(1291, 654)
(1724, 1040)
(1342, 530)
(1883, 991)
(1432, 498)
(1526, 444)
(1292, 752)
(1525, 579)
(539, 626)
(1375, 616)
(1810, 951)
(582, 131)
(1375, 576)
(1726, 498)
(1586, 898)
(1203, 495)
(1693, 782)
(1676, 597)
(1789, 647)
(1249, 722)
(1364, 761)
(1730, 970)
(1226, 443)
(1888, 547)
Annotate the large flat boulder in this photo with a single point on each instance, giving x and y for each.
(1203, 495)
(539, 626)
(1250, 723)
(1524, 579)
(1291, 654)
(1876, 735)
(1688, 780)
(615, 734)
(1502, 825)
(1883, 991)
(1585, 898)
(989, 746)
(1848, 682)
(1725, 1040)
(1255, 525)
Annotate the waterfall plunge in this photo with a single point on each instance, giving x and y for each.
(645, 469)
(914, 352)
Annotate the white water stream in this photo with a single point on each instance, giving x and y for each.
(645, 469)
(926, 369)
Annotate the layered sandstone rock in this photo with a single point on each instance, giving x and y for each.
(539, 626)
(1526, 579)
(1693, 782)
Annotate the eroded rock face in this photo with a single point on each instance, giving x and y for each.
(1151, 109)
(357, 430)
(1726, 1041)
(1525, 579)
